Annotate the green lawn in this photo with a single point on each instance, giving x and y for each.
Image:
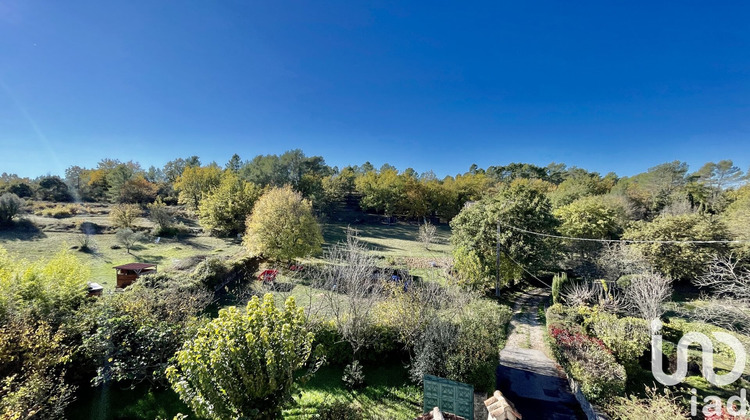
(397, 239)
(388, 393)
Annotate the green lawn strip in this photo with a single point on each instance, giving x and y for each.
(398, 239)
(388, 394)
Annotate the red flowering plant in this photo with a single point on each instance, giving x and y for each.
(722, 414)
(571, 339)
(589, 362)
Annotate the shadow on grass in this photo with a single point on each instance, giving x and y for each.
(22, 230)
(388, 393)
(392, 374)
(189, 242)
(115, 403)
(282, 287)
(337, 232)
(149, 258)
(377, 247)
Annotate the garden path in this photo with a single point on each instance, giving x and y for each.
(526, 375)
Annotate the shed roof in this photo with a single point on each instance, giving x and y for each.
(134, 266)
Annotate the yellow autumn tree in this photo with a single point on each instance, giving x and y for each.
(282, 226)
(196, 181)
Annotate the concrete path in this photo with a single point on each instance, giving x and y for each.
(526, 376)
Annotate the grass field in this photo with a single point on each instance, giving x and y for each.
(52, 238)
(42, 237)
(397, 240)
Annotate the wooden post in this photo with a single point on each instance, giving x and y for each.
(497, 262)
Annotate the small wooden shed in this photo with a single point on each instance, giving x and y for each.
(128, 273)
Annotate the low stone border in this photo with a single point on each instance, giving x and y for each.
(592, 412)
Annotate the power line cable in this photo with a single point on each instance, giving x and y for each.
(526, 271)
(626, 241)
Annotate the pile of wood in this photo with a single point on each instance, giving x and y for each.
(501, 409)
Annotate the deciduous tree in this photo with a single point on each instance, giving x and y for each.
(33, 359)
(127, 238)
(138, 190)
(524, 205)
(52, 188)
(282, 226)
(160, 215)
(196, 181)
(679, 259)
(224, 210)
(124, 215)
(427, 232)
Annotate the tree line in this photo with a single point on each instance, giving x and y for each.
(492, 239)
(384, 190)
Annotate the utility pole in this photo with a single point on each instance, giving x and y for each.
(497, 262)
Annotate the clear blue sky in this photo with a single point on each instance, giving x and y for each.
(605, 85)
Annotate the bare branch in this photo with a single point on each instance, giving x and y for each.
(725, 313)
(647, 294)
(352, 287)
(617, 260)
(727, 279)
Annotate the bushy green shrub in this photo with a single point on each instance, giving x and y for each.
(329, 343)
(656, 406)
(628, 337)
(10, 205)
(564, 317)
(354, 376)
(385, 346)
(588, 361)
(465, 349)
(624, 281)
(339, 352)
(475, 351)
(431, 348)
(131, 336)
(210, 272)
